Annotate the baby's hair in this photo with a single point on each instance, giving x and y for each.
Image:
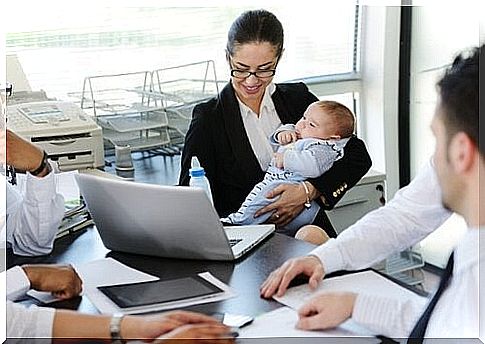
(344, 118)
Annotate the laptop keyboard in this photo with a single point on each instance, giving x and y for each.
(233, 242)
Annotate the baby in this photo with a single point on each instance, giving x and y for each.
(307, 150)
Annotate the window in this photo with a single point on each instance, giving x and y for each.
(59, 43)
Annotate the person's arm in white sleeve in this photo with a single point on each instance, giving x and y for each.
(33, 218)
(386, 316)
(32, 322)
(17, 283)
(413, 213)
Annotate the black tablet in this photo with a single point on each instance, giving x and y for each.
(157, 292)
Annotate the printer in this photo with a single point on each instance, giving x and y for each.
(68, 135)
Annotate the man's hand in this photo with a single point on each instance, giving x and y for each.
(286, 136)
(326, 311)
(61, 280)
(175, 326)
(278, 281)
(22, 154)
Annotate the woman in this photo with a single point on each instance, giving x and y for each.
(229, 134)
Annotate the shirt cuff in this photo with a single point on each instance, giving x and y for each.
(17, 283)
(330, 256)
(382, 315)
(44, 321)
(40, 189)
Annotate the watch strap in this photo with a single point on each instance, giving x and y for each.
(115, 328)
(43, 164)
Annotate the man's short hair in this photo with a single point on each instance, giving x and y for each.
(458, 90)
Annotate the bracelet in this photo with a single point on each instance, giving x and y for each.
(115, 328)
(308, 202)
(42, 166)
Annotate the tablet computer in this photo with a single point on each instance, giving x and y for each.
(160, 291)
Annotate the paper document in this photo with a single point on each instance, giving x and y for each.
(105, 271)
(281, 323)
(368, 282)
(108, 271)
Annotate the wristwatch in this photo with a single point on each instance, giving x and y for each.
(115, 328)
(43, 164)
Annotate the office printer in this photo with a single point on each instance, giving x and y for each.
(62, 129)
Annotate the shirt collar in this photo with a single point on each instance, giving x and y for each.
(467, 251)
(266, 104)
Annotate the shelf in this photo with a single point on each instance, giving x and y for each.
(138, 141)
(127, 123)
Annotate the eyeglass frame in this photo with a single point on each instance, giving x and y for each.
(233, 70)
(249, 73)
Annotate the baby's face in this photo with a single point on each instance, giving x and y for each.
(315, 123)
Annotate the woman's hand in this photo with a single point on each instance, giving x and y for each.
(175, 326)
(290, 203)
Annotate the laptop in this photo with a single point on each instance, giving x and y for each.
(164, 221)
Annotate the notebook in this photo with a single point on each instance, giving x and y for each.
(165, 221)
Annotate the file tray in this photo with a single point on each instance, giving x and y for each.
(127, 123)
(138, 141)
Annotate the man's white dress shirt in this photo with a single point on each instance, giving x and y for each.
(22, 322)
(414, 212)
(409, 217)
(32, 221)
(33, 216)
(456, 314)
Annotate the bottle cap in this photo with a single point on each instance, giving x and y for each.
(196, 170)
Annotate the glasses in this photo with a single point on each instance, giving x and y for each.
(243, 74)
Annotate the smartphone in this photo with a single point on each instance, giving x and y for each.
(233, 320)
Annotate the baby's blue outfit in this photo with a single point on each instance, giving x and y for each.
(303, 159)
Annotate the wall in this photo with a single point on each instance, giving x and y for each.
(438, 33)
(379, 98)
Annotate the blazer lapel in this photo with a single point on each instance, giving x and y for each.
(280, 107)
(236, 133)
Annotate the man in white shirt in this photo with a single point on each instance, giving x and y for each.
(32, 217)
(414, 212)
(32, 222)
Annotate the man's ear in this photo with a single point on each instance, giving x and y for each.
(462, 152)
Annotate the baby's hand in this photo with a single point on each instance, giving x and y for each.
(286, 136)
(279, 160)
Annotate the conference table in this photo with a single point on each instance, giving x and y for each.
(244, 275)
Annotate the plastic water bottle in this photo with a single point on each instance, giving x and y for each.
(198, 178)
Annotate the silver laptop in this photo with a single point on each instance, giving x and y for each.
(165, 221)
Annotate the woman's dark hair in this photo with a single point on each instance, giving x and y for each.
(459, 95)
(256, 26)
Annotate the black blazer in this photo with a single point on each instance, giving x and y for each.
(217, 137)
